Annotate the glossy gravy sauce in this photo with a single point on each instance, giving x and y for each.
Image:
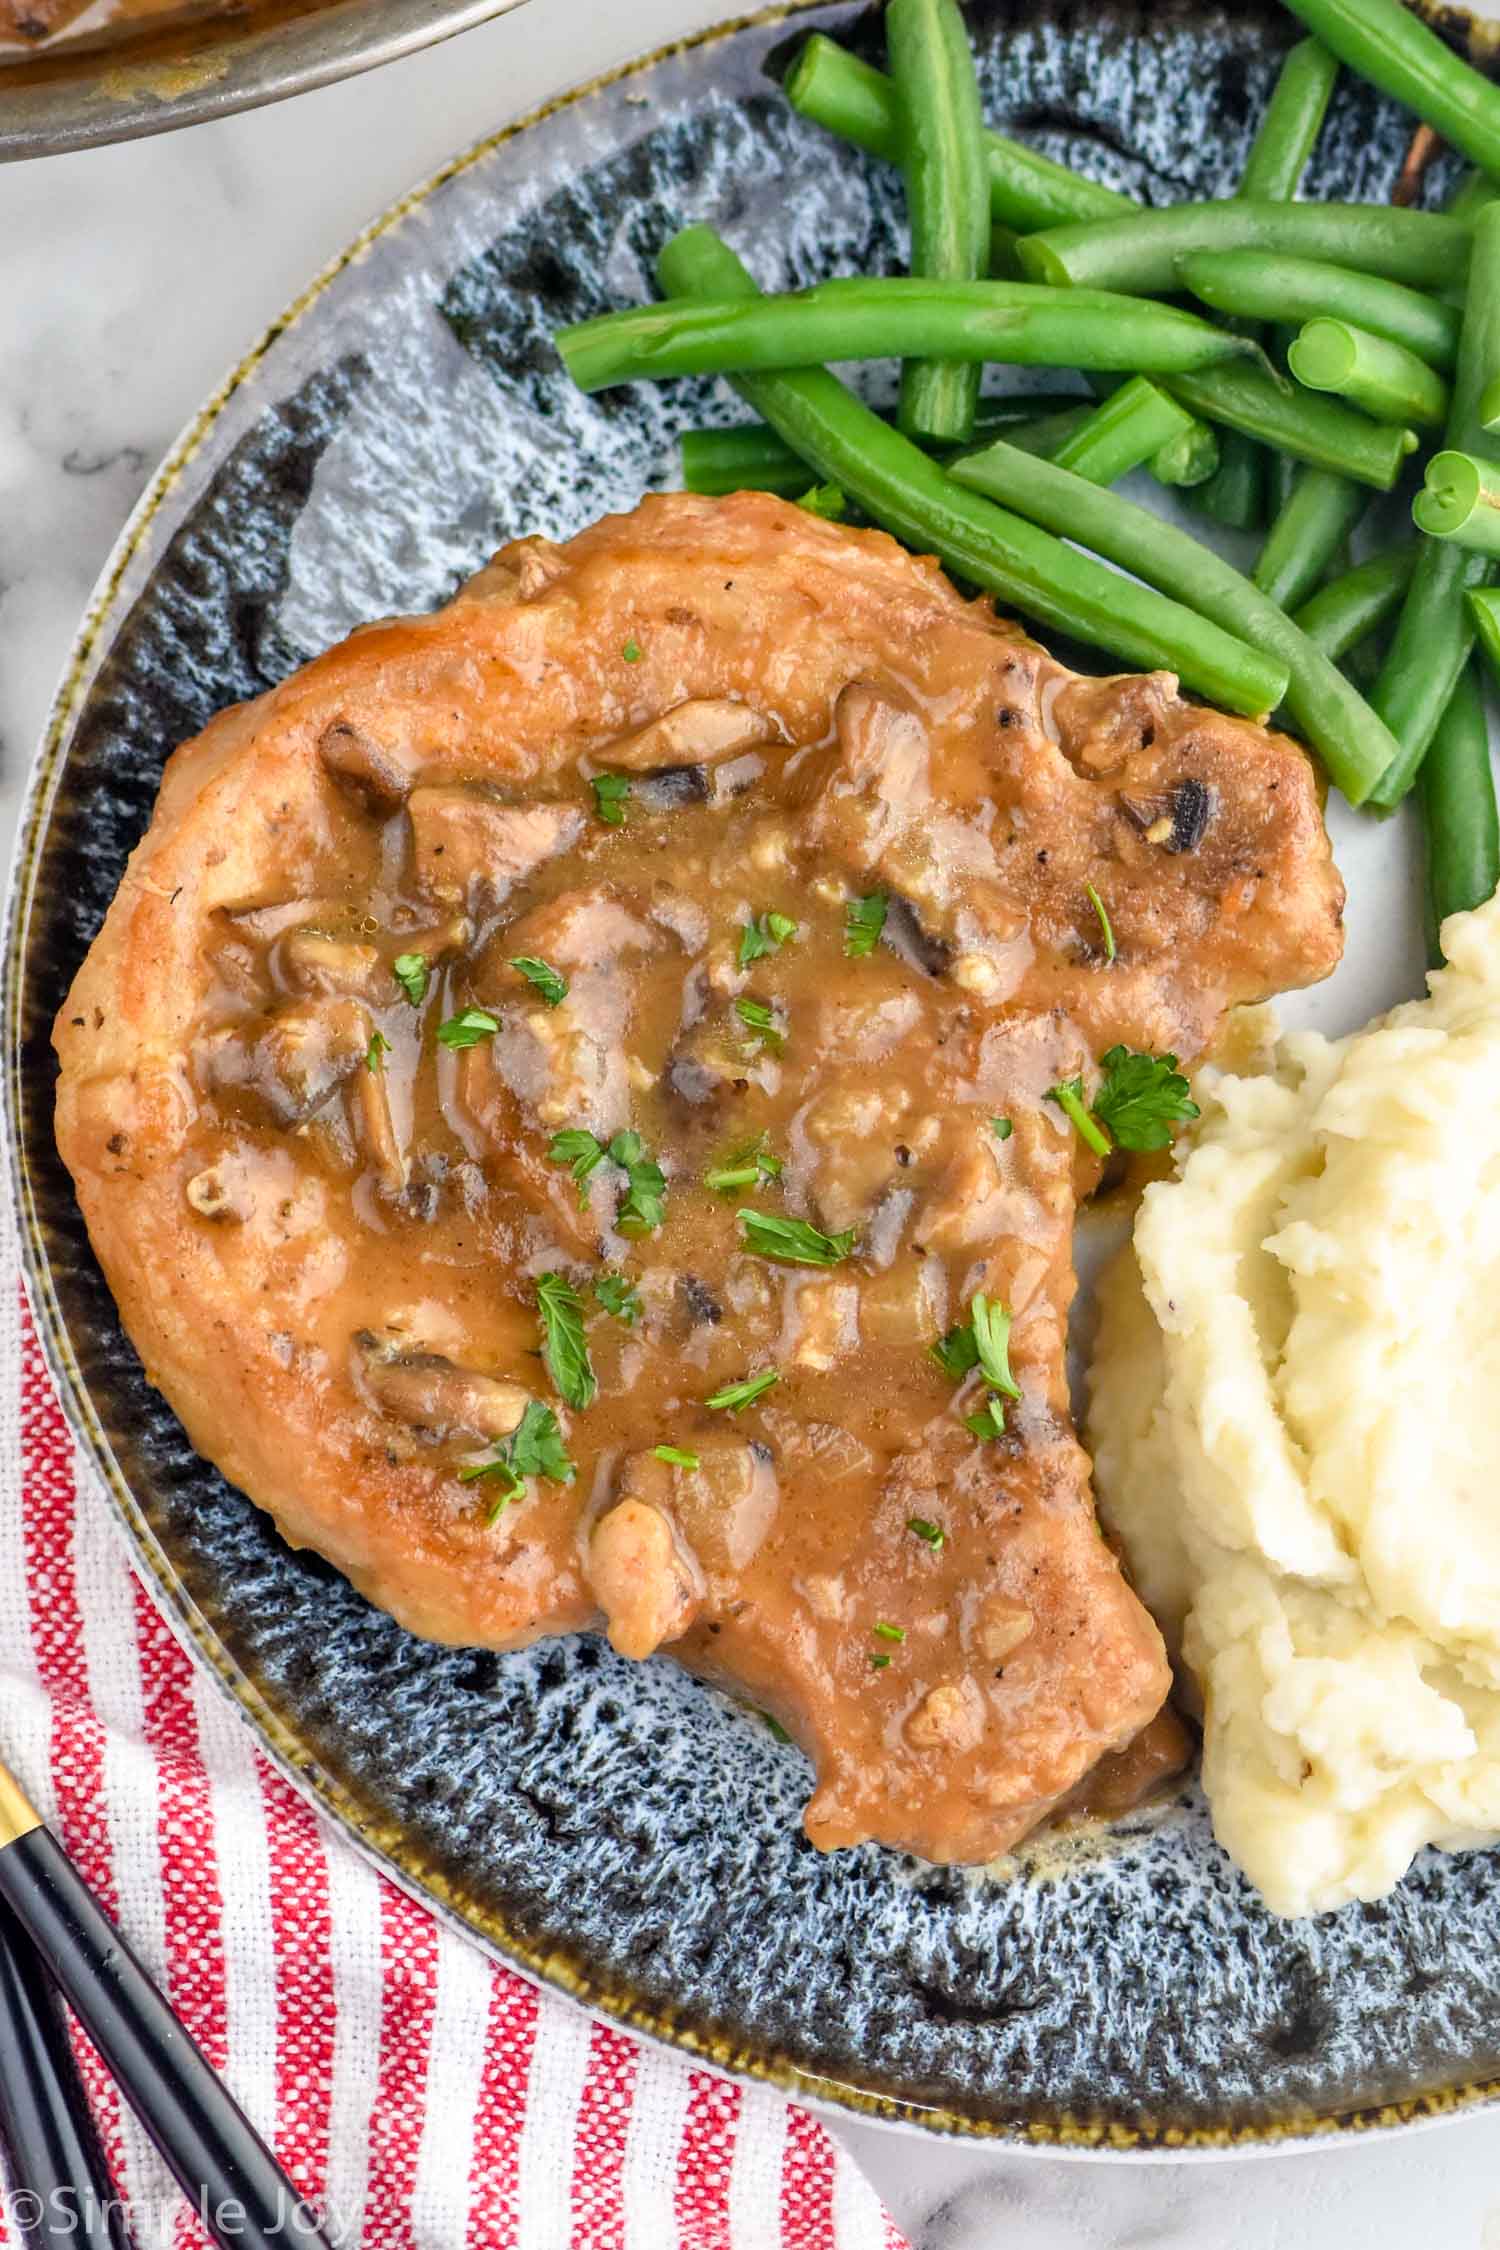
(839, 1543)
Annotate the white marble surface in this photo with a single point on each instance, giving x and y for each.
(130, 279)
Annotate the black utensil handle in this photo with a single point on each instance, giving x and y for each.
(219, 2160)
(60, 2188)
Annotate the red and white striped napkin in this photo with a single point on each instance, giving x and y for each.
(420, 2096)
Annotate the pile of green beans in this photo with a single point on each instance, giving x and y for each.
(899, 486)
(1386, 319)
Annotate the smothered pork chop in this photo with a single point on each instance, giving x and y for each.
(564, 1099)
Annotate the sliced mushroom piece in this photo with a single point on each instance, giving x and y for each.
(695, 734)
(377, 1130)
(905, 934)
(268, 922)
(470, 846)
(643, 1580)
(435, 1395)
(300, 1058)
(365, 771)
(309, 960)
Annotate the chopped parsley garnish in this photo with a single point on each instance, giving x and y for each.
(642, 1210)
(864, 919)
(1105, 928)
(534, 1449)
(748, 1166)
(1002, 1128)
(931, 1534)
(1069, 1099)
(552, 987)
(467, 1028)
(410, 971)
(879, 1663)
(576, 1147)
(956, 1352)
(1142, 1097)
(775, 1726)
(983, 1341)
(618, 1296)
(825, 500)
(610, 793)
(757, 1017)
(887, 1632)
(992, 1344)
(377, 1051)
(564, 1345)
(793, 1241)
(763, 934)
(675, 1456)
(632, 651)
(644, 1206)
(735, 1397)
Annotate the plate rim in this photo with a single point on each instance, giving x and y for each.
(1061, 2136)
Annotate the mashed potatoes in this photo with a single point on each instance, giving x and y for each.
(1296, 1429)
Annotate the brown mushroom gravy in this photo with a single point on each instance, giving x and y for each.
(603, 1288)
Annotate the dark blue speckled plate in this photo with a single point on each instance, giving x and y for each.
(618, 1830)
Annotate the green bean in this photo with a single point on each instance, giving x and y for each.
(1307, 534)
(1470, 196)
(1140, 254)
(1045, 433)
(1386, 44)
(1127, 429)
(1004, 264)
(1484, 615)
(1489, 405)
(1349, 609)
(750, 457)
(1461, 501)
(1459, 813)
(1290, 124)
(1339, 725)
(1190, 460)
(833, 88)
(1319, 430)
(1436, 630)
(1387, 380)
(1014, 321)
(1261, 285)
(947, 194)
(896, 485)
(1235, 495)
